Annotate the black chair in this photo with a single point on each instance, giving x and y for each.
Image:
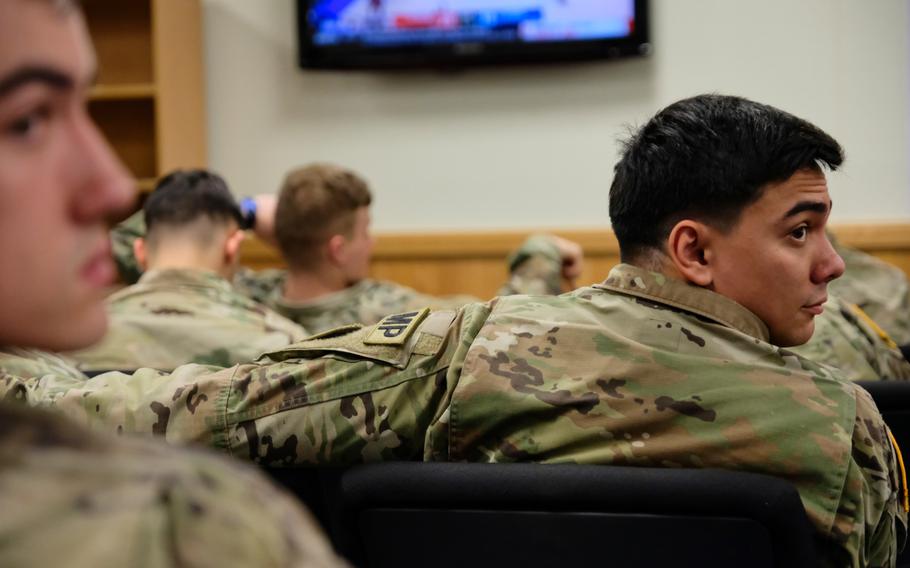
(893, 401)
(456, 514)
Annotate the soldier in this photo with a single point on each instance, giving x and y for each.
(184, 308)
(847, 338)
(678, 359)
(69, 496)
(879, 289)
(322, 227)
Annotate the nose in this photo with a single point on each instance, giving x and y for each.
(104, 190)
(829, 265)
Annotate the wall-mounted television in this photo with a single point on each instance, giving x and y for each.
(375, 34)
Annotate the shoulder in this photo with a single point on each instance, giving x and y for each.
(84, 486)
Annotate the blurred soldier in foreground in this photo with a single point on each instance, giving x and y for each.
(678, 359)
(184, 308)
(71, 497)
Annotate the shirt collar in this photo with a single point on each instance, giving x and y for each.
(634, 281)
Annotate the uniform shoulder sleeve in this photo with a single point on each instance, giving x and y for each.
(362, 394)
(118, 498)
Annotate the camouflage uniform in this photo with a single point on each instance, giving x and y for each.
(846, 338)
(640, 370)
(34, 363)
(177, 316)
(535, 268)
(880, 289)
(89, 500)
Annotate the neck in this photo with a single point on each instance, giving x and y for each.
(189, 258)
(307, 285)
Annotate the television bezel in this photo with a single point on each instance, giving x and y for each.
(460, 55)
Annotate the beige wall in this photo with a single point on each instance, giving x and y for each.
(535, 146)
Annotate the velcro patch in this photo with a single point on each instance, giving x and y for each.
(395, 329)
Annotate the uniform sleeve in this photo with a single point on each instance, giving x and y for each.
(335, 400)
(871, 520)
(95, 501)
(535, 268)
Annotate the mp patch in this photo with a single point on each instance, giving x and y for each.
(395, 329)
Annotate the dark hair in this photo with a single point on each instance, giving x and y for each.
(707, 158)
(316, 202)
(183, 197)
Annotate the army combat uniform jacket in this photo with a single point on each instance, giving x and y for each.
(78, 499)
(845, 337)
(640, 370)
(880, 289)
(535, 268)
(177, 316)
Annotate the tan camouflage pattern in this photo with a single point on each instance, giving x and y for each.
(177, 316)
(34, 363)
(641, 370)
(535, 268)
(77, 499)
(847, 339)
(880, 289)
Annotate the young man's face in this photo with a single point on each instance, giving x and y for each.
(359, 247)
(59, 182)
(777, 261)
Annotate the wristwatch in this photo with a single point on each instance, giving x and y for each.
(248, 211)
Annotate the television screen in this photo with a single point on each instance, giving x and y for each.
(407, 33)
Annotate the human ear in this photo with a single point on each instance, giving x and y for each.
(232, 247)
(141, 253)
(689, 249)
(337, 250)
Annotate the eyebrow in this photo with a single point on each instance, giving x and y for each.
(43, 75)
(816, 206)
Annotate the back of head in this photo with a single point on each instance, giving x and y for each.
(316, 202)
(707, 158)
(191, 203)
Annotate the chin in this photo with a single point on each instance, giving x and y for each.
(80, 333)
(794, 338)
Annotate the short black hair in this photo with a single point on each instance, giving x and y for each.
(707, 158)
(184, 196)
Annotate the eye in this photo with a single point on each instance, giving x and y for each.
(27, 125)
(800, 233)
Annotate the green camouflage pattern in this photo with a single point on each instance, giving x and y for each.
(123, 235)
(535, 268)
(847, 339)
(79, 499)
(880, 289)
(34, 363)
(640, 370)
(177, 316)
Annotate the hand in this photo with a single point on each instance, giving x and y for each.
(266, 205)
(572, 261)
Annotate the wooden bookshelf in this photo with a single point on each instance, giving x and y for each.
(150, 96)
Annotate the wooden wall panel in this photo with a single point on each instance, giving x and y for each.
(474, 262)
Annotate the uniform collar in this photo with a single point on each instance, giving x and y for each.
(634, 281)
(184, 277)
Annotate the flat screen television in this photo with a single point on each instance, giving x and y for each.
(375, 34)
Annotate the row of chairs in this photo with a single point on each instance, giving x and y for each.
(458, 514)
